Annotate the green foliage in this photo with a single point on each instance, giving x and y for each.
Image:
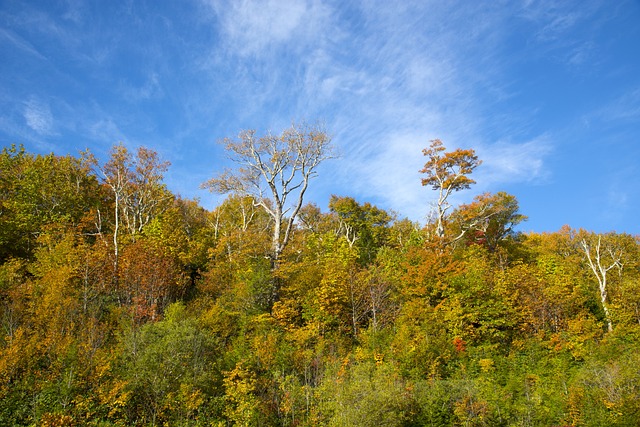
(169, 369)
(606, 390)
(365, 393)
(184, 232)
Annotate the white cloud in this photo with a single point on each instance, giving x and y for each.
(399, 88)
(391, 173)
(388, 79)
(38, 117)
(385, 170)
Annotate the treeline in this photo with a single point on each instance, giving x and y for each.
(123, 304)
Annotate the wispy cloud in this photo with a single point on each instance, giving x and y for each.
(20, 43)
(106, 131)
(625, 107)
(391, 175)
(616, 202)
(509, 163)
(555, 26)
(387, 80)
(252, 27)
(150, 89)
(75, 11)
(38, 117)
(403, 88)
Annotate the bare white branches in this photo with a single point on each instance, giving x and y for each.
(275, 170)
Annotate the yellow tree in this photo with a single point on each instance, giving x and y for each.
(146, 196)
(447, 172)
(237, 268)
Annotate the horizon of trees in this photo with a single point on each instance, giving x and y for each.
(122, 303)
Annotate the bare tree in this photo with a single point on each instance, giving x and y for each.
(275, 171)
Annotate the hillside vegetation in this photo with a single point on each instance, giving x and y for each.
(123, 304)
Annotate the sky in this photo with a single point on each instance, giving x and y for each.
(546, 92)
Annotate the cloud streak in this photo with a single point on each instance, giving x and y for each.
(20, 43)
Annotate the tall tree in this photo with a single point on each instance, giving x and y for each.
(117, 174)
(147, 196)
(275, 171)
(447, 172)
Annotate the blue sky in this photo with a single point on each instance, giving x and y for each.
(546, 92)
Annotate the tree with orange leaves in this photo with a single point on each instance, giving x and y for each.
(447, 172)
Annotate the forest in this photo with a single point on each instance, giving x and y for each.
(123, 304)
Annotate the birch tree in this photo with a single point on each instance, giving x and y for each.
(275, 170)
(603, 254)
(138, 192)
(117, 175)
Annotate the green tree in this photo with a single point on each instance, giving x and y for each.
(238, 270)
(169, 369)
(185, 233)
(366, 394)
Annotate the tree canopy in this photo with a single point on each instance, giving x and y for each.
(122, 303)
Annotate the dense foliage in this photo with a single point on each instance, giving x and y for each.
(123, 304)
